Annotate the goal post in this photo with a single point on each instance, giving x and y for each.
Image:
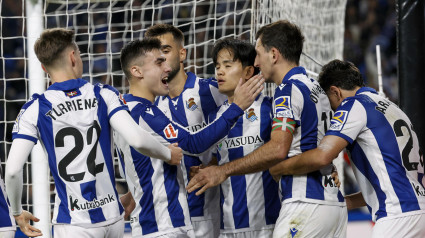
(102, 27)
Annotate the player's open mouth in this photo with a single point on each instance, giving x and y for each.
(220, 81)
(165, 80)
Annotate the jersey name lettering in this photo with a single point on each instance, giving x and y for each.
(73, 105)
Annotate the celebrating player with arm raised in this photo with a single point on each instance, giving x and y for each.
(161, 206)
(73, 121)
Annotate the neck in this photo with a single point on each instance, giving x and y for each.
(281, 70)
(230, 98)
(176, 85)
(57, 76)
(138, 90)
(349, 93)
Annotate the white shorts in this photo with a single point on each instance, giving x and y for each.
(206, 228)
(410, 226)
(267, 233)
(311, 220)
(114, 230)
(7, 234)
(179, 232)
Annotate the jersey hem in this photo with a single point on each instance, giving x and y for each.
(315, 201)
(93, 225)
(240, 230)
(405, 214)
(161, 233)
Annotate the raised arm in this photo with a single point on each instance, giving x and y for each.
(142, 140)
(311, 160)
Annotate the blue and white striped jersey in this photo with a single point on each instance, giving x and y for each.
(7, 222)
(71, 120)
(304, 101)
(190, 109)
(385, 153)
(159, 189)
(251, 201)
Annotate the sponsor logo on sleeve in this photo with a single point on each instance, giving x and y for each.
(122, 99)
(338, 121)
(16, 125)
(170, 132)
(283, 107)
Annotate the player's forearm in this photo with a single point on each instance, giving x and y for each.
(355, 200)
(259, 160)
(18, 155)
(300, 164)
(212, 133)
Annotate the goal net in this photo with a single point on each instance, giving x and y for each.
(102, 27)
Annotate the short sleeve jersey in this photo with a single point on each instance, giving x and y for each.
(302, 100)
(385, 153)
(71, 120)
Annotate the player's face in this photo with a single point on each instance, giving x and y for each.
(155, 73)
(262, 61)
(228, 72)
(171, 50)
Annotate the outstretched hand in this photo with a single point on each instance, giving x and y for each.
(246, 93)
(176, 154)
(205, 178)
(23, 221)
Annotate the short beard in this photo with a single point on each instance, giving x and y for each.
(172, 74)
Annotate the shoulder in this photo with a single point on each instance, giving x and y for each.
(207, 82)
(34, 98)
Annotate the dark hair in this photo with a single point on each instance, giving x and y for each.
(342, 74)
(52, 43)
(241, 50)
(162, 29)
(135, 49)
(285, 37)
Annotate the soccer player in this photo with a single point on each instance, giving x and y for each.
(7, 222)
(301, 113)
(249, 203)
(73, 121)
(190, 100)
(385, 154)
(161, 205)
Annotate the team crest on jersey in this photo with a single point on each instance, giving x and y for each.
(338, 121)
(219, 146)
(170, 132)
(191, 104)
(16, 125)
(250, 115)
(73, 93)
(283, 107)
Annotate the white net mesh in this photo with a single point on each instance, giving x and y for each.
(103, 27)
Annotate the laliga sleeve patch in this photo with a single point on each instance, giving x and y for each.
(170, 132)
(283, 107)
(284, 124)
(338, 121)
(16, 125)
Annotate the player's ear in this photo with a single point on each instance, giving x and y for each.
(183, 54)
(72, 57)
(248, 72)
(274, 54)
(335, 91)
(136, 71)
